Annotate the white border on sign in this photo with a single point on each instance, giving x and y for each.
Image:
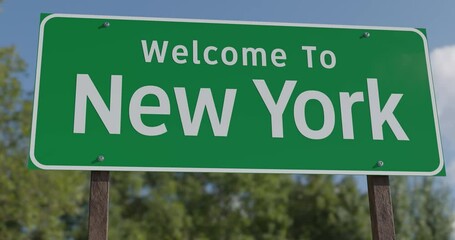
(227, 170)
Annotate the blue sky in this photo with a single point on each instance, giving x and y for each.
(19, 22)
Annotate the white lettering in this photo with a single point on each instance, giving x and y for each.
(346, 103)
(332, 59)
(179, 51)
(276, 57)
(254, 56)
(148, 54)
(206, 55)
(276, 109)
(205, 101)
(300, 116)
(309, 55)
(224, 56)
(136, 110)
(85, 89)
(378, 116)
(195, 53)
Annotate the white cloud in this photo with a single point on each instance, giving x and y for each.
(443, 68)
(450, 170)
(443, 65)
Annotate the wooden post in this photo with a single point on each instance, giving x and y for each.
(98, 206)
(381, 212)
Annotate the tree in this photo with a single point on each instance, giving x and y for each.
(433, 211)
(32, 203)
(201, 206)
(423, 208)
(145, 211)
(403, 213)
(323, 209)
(353, 211)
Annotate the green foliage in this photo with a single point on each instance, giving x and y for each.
(12, 118)
(54, 204)
(322, 209)
(401, 200)
(423, 210)
(202, 206)
(32, 203)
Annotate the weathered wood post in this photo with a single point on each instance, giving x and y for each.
(381, 212)
(98, 206)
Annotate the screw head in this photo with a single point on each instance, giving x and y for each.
(106, 24)
(366, 35)
(380, 163)
(100, 158)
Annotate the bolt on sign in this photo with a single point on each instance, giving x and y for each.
(149, 94)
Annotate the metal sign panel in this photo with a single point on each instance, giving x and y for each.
(148, 94)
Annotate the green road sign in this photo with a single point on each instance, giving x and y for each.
(147, 94)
